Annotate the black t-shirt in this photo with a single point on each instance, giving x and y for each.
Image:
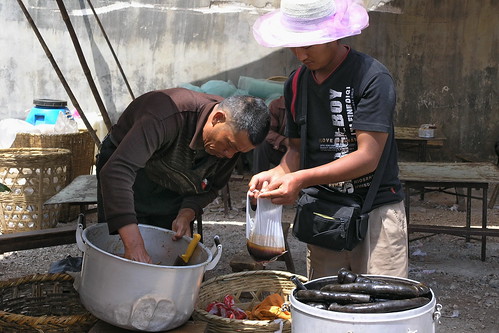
(360, 94)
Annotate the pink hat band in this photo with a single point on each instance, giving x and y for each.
(303, 23)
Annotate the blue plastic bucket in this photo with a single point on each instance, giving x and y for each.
(46, 111)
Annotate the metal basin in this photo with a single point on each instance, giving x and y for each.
(307, 318)
(139, 296)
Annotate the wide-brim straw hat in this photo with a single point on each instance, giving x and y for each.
(309, 22)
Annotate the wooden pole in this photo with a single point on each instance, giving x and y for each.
(111, 48)
(59, 74)
(83, 62)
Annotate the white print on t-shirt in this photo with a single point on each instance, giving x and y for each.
(336, 107)
(338, 100)
(338, 145)
(349, 106)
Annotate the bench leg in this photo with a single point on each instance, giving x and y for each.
(493, 197)
(484, 223)
(460, 199)
(226, 199)
(288, 260)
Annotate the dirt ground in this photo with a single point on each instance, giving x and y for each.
(466, 287)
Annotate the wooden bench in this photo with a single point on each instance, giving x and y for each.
(408, 139)
(474, 158)
(421, 175)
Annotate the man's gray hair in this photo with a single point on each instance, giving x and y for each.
(250, 114)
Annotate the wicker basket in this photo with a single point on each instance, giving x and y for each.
(249, 289)
(42, 303)
(82, 148)
(34, 175)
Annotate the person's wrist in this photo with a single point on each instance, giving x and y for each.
(300, 179)
(130, 235)
(187, 213)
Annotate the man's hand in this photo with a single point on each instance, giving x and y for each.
(283, 190)
(134, 244)
(259, 182)
(182, 224)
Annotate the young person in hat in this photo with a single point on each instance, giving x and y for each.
(350, 104)
(167, 157)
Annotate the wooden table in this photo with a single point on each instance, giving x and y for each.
(423, 175)
(408, 138)
(81, 191)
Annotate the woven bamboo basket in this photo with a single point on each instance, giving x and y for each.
(45, 303)
(34, 175)
(249, 289)
(82, 148)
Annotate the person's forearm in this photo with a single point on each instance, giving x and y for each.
(134, 243)
(349, 167)
(187, 214)
(290, 162)
(130, 235)
(354, 165)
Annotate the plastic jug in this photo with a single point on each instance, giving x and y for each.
(46, 111)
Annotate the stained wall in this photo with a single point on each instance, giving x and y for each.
(442, 54)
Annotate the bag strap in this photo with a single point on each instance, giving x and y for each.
(373, 188)
(294, 89)
(302, 121)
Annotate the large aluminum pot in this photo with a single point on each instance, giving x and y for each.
(139, 296)
(307, 318)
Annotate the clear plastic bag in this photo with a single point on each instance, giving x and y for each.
(264, 235)
(65, 124)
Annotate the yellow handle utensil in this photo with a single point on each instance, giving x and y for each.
(184, 258)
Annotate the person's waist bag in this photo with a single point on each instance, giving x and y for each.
(327, 218)
(330, 220)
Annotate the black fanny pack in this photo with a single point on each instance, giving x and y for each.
(331, 220)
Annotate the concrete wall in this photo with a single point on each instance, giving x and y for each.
(160, 44)
(442, 53)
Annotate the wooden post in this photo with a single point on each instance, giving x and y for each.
(59, 74)
(83, 62)
(111, 48)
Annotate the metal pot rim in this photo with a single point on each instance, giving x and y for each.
(154, 266)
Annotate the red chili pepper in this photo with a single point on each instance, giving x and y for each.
(226, 309)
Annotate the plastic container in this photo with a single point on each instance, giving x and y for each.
(259, 87)
(310, 319)
(427, 130)
(46, 111)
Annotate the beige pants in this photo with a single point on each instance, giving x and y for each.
(383, 252)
